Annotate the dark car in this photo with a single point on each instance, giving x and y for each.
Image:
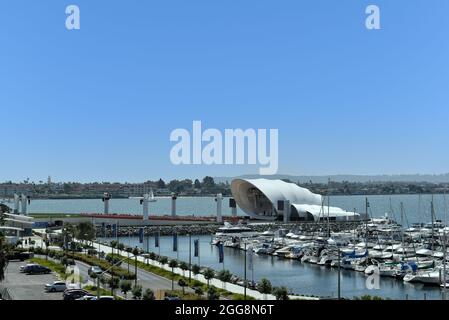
(36, 269)
(74, 294)
(21, 256)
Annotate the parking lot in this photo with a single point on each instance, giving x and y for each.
(28, 287)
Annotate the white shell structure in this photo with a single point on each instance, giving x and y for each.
(259, 199)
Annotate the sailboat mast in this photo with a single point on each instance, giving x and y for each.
(432, 213)
(444, 247)
(402, 225)
(328, 209)
(366, 222)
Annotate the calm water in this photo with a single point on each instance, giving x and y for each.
(297, 277)
(417, 208)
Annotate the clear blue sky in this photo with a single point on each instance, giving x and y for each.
(99, 104)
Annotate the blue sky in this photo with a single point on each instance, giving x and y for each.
(99, 104)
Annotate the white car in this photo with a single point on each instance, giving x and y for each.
(57, 286)
(88, 297)
(103, 298)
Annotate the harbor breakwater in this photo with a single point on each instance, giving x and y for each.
(124, 231)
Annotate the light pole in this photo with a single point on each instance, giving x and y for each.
(190, 257)
(244, 275)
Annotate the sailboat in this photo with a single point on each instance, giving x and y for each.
(152, 197)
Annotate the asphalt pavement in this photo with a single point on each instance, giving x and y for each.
(28, 287)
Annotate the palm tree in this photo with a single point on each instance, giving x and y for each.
(199, 291)
(135, 253)
(212, 294)
(224, 276)
(184, 266)
(125, 287)
(208, 274)
(163, 260)
(3, 250)
(264, 287)
(3, 258)
(113, 284)
(196, 270)
(182, 283)
(173, 264)
(281, 293)
(149, 295)
(85, 231)
(137, 292)
(152, 256)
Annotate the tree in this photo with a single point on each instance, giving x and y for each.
(120, 246)
(3, 258)
(137, 292)
(224, 276)
(152, 256)
(196, 269)
(161, 184)
(148, 295)
(113, 284)
(182, 283)
(208, 274)
(184, 266)
(212, 294)
(197, 184)
(163, 260)
(4, 208)
(199, 291)
(135, 253)
(125, 286)
(264, 287)
(85, 231)
(173, 264)
(281, 293)
(208, 183)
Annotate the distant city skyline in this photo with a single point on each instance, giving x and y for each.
(99, 103)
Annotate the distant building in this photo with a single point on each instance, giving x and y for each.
(259, 198)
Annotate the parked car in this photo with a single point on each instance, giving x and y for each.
(23, 268)
(87, 297)
(57, 286)
(94, 270)
(36, 269)
(74, 294)
(104, 298)
(21, 256)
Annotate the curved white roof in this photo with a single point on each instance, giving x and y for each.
(323, 212)
(274, 190)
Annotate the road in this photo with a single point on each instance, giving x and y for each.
(150, 280)
(146, 279)
(28, 287)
